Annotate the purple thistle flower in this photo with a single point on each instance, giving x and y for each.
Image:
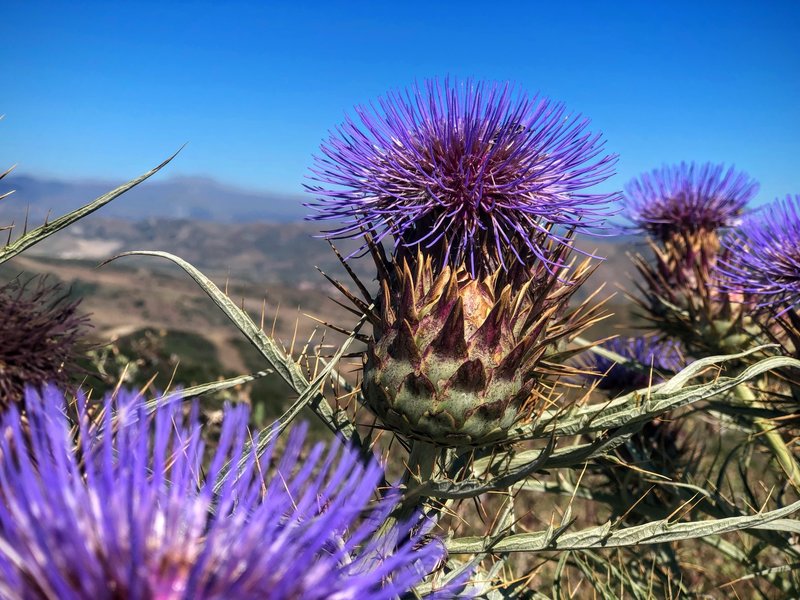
(473, 172)
(661, 357)
(687, 198)
(41, 332)
(129, 511)
(763, 257)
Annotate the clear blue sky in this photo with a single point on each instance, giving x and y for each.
(107, 89)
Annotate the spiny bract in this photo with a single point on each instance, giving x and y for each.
(683, 210)
(458, 361)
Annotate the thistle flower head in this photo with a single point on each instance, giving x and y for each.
(40, 331)
(682, 209)
(763, 256)
(457, 361)
(130, 511)
(653, 359)
(468, 171)
(687, 199)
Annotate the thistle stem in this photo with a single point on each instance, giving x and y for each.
(420, 468)
(772, 437)
(421, 462)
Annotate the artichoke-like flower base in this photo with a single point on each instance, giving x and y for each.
(678, 297)
(457, 361)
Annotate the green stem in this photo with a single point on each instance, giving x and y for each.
(772, 437)
(419, 469)
(421, 462)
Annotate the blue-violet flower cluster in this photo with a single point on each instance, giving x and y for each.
(129, 511)
(655, 357)
(474, 173)
(687, 198)
(763, 257)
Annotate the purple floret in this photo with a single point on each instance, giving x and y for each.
(129, 512)
(473, 172)
(41, 333)
(687, 198)
(655, 359)
(763, 257)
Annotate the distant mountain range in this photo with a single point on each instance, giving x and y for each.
(256, 236)
(259, 251)
(196, 198)
(266, 252)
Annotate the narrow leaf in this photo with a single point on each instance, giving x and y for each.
(40, 233)
(283, 364)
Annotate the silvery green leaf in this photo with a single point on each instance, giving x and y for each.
(40, 233)
(601, 537)
(209, 388)
(277, 359)
(644, 405)
(472, 487)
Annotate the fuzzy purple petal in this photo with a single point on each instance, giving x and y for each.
(462, 169)
(763, 256)
(133, 514)
(687, 197)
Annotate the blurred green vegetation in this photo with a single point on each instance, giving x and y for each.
(270, 396)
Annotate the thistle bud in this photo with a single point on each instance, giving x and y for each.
(481, 190)
(682, 210)
(458, 361)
